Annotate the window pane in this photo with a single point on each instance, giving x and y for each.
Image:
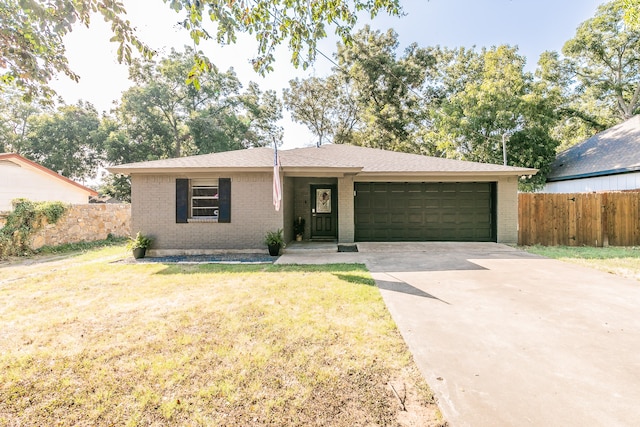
(205, 192)
(205, 203)
(212, 212)
(204, 200)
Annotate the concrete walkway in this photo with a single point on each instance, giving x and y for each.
(507, 338)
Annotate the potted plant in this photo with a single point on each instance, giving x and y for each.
(298, 228)
(139, 245)
(274, 241)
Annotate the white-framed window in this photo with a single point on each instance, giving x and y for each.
(205, 203)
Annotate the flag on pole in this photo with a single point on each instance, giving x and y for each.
(277, 188)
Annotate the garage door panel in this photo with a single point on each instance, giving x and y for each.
(379, 203)
(363, 201)
(413, 203)
(379, 187)
(415, 218)
(397, 187)
(414, 187)
(380, 218)
(482, 236)
(399, 218)
(425, 211)
(363, 219)
(432, 203)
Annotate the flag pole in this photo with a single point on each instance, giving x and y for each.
(277, 186)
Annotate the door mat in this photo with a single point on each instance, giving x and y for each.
(347, 248)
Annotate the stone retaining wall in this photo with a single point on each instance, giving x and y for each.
(85, 223)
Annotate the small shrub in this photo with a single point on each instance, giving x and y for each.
(274, 238)
(140, 241)
(26, 218)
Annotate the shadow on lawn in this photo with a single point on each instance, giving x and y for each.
(270, 268)
(358, 280)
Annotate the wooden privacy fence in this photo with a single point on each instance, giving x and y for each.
(581, 219)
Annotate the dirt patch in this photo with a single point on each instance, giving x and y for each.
(416, 405)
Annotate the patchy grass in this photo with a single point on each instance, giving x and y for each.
(622, 261)
(82, 246)
(89, 342)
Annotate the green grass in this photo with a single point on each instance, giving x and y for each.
(92, 342)
(82, 246)
(622, 261)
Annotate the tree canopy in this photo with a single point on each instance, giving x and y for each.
(68, 141)
(604, 56)
(372, 99)
(162, 116)
(632, 12)
(486, 108)
(324, 106)
(32, 51)
(298, 23)
(458, 103)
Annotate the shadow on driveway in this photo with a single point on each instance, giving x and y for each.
(405, 288)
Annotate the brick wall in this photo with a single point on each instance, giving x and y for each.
(507, 210)
(252, 214)
(288, 207)
(346, 210)
(85, 223)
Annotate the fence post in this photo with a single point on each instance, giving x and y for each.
(605, 220)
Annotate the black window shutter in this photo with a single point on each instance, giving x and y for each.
(224, 197)
(182, 200)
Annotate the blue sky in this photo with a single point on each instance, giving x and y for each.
(533, 25)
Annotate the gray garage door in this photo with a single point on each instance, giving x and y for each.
(461, 212)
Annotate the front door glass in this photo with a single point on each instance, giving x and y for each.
(323, 200)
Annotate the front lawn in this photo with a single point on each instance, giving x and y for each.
(622, 261)
(86, 341)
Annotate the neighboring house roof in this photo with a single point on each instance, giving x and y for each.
(22, 161)
(613, 151)
(331, 157)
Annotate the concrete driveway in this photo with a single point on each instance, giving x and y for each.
(505, 338)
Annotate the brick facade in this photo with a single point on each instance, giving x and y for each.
(346, 223)
(507, 195)
(252, 214)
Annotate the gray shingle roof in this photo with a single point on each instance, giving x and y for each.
(615, 150)
(373, 160)
(330, 156)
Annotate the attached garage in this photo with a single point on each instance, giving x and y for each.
(425, 211)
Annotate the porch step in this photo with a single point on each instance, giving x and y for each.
(310, 246)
